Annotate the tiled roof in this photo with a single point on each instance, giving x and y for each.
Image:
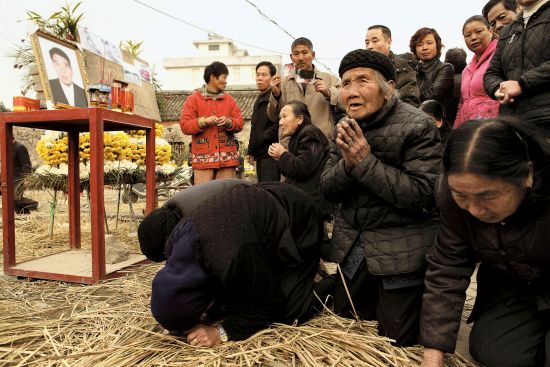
(171, 102)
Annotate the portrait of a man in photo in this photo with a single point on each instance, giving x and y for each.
(63, 88)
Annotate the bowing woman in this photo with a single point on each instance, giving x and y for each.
(495, 209)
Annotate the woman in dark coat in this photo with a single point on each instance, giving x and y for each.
(308, 149)
(495, 209)
(243, 254)
(435, 78)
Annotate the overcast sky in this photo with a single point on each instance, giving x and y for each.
(335, 27)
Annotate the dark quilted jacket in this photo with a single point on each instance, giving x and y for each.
(523, 54)
(406, 80)
(386, 201)
(514, 257)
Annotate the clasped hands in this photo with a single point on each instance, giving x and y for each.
(222, 121)
(352, 143)
(275, 151)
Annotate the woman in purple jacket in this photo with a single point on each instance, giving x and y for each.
(474, 102)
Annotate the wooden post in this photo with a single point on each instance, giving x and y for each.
(8, 216)
(74, 189)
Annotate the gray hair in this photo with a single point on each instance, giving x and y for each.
(387, 90)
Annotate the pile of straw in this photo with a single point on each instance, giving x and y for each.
(109, 324)
(47, 323)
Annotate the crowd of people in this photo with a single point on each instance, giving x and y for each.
(434, 169)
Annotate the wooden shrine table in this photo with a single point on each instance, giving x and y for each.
(71, 265)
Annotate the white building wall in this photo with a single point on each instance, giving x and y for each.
(187, 72)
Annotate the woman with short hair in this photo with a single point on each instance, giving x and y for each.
(212, 117)
(494, 204)
(435, 78)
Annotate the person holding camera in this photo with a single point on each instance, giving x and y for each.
(318, 90)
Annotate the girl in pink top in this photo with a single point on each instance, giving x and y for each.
(474, 102)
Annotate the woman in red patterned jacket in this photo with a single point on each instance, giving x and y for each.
(212, 117)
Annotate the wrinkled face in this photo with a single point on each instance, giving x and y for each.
(477, 37)
(376, 41)
(499, 16)
(361, 94)
(302, 57)
(218, 83)
(63, 69)
(426, 48)
(288, 121)
(263, 78)
(487, 199)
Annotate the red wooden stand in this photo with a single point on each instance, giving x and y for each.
(73, 121)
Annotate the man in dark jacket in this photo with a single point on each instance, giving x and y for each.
(263, 131)
(379, 39)
(382, 178)
(519, 74)
(500, 13)
(241, 255)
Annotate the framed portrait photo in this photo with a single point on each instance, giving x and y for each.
(61, 69)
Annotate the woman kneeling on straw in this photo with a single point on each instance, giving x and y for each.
(242, 257)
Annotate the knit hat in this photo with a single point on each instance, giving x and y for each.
(154, 230)
(368, 59)
(181, 291)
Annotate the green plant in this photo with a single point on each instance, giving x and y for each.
(62, 23)
(134, 48)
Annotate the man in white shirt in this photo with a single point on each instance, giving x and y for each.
(63, 89)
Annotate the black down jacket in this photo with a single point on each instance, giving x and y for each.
(436, 81)
(302, 165)
(523, 54)
(386, 202)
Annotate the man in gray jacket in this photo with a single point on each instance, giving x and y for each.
(378, 38)
(317, 89)
(382, 176)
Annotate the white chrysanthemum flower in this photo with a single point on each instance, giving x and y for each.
(126, 165)
(44, 169)
(63, 169)
(84, 170)
(137, 141)
(160, 142)
(110, 166)
(166, 169)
